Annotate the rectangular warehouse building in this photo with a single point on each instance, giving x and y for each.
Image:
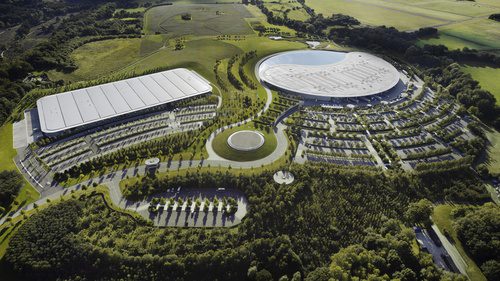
(96, 105)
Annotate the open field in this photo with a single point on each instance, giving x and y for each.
(27, 194)
(199, 54)
(482, 34)
(460, 23)
(451, 42)
(442, 218)
(292, 9)
(100, 58)
(103, 58)
(405, 15)
(221, 147)
(379, 12)
(487, 77)
(152, 43)
(207, 19)
(259, 17)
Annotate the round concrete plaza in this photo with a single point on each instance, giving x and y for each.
(246, 140)
(283, 177)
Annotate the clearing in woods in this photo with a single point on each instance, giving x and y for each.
(206, 19)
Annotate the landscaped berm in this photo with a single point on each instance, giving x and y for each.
(244, 144)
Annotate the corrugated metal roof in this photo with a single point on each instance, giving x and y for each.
(85, 106)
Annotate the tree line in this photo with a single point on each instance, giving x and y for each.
(331, 222)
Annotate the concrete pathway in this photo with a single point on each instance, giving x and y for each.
(212, 155)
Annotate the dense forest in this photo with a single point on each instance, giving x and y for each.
(478, 229)
(79, 22)
(10, 184)
(329, 223)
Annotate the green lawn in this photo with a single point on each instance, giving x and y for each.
(152, 43)
(213, 19)
(460, 23)
(221, 147)
(279, 8)
(451, 42)
(480, 32)
(258, 16)
(442, 218)
(378, 12)
(27, 194)
(100, 58)
(465, 8)
(7, 153)
(487, 77)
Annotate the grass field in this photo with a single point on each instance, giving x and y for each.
(483, 34)
(451, 42)
(487, 77)
(27, 194)
(152, 43)
(379, 12)
(292, 8)
(460, 23)
(100, 58)
(207, 19)
(221, 147)
(199, 54)
(443, 220)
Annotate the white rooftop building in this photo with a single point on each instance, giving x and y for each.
(326, 75)
(86, 106)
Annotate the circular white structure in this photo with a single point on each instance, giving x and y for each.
(246, 140)
(152, 161)
(283, 177)
(325, 75)
(152, 164)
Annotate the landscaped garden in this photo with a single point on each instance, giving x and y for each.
(224, 150)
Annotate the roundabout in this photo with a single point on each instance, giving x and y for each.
(246, 140)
